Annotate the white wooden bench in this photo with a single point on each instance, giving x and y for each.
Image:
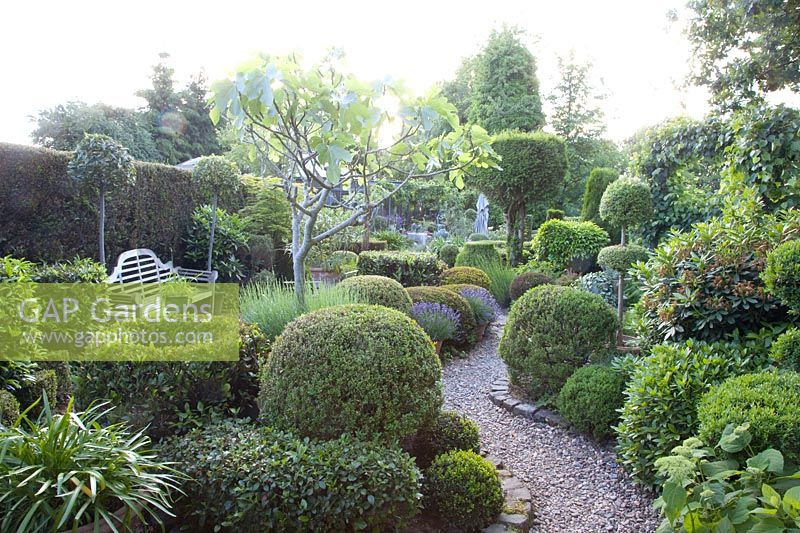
(143, 268)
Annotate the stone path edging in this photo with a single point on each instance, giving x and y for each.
(517, 513)
(501, 397)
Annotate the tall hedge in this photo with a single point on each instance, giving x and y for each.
(596, 183)
(45, 217)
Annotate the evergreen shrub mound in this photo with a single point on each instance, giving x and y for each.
(475, 237)
(253, 478)
(378, 290)
(785, 351)
(448, 254)
(475, 254)
(9, 408)
(562, 241)
(450, 431)
(768, 401)
(453, 300)
(360, 369)
(552, 331)
(620, 258)
(466, 275)
(408, 268)
(526, 281)
(463, 491)
(782, 275)
(590, 398)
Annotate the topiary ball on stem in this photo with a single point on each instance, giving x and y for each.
(463, 490)
(551, 331)
(360, 369)
(626, 202)
(782, 275)
(378, 290)
(620, 258)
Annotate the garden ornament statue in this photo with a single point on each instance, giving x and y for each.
(482, 220)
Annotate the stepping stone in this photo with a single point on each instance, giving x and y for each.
(525, 409)
(517, 520)
(495, 528)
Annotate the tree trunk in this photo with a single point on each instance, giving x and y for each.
(366, 235)
(101, 238)
(299, 274)
(621, 293)
(213, 230)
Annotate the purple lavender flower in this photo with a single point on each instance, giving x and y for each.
(482, 303)
(439, 321)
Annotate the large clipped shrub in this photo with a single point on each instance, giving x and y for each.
(590, 399)
(526, 281)
(620, 258)
(378, 290)
(552, 331)
(448, 254)
(782, 275)
(463, 491)
(450, 431)
(37, 196)
(596, 183)
(408, 268)
(467, 275)
(450, 298)
(768, 401)
(252, 478)
(663, 391)
(475, 237)
(475, 254)
(177, 396)
(706, 283)
(360, 369)
(785, 351)
(562, 241)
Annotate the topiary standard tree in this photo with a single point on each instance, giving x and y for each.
(216, 176)
(533, 170)
(102, 165)
(626, 202)
(320, 129)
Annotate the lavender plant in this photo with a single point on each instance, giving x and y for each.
(482, 302)
(439, 321)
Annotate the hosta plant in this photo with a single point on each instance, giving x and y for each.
(705, 490)
(66, 470)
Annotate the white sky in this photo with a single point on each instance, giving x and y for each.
(102, 51)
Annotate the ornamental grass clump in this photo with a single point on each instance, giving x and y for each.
(439, 321)
(482, 303)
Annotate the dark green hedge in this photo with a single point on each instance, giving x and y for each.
(45, 217)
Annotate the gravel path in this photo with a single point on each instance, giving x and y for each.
(576, 485)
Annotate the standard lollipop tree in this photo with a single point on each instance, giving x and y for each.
(217, 177)
(103, 166)
(626, 203)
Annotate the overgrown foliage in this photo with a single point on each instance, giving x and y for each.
(230, 239)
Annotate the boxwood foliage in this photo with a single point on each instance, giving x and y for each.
(706, 283)
(448, 254)
(450, 298)
(626, 202)
(176, 396)
(551, 331)
(663, 391)
(768, 401)
(463, 491)
(360, 369)
(254, 478)
(9, 408)
(620, 258)
(468, 275)
(782, 275)
(475, 254)
(591, 398)
(450, 431)
(785, 352)
(378, 290)
(561, 241)
(526, 281)
(408, 268)
(48, 218)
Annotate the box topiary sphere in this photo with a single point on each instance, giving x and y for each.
(525, 282)
(620, 258)
(782, 275)
(590, 398)
(361, 369)
(626, 202)
(768, 401)
(448, 254)
(468, 275)
(551, 331)
(463, 490)
(450, 431)
(379, 290)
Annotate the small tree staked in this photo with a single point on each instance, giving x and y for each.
(101, 165)
(326, 137)
(216, 177)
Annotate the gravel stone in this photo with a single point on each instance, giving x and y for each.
(575, 484)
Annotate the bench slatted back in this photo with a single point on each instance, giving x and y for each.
(141, 266)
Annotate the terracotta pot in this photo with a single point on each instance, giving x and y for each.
(481, 331)
(438, 346)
